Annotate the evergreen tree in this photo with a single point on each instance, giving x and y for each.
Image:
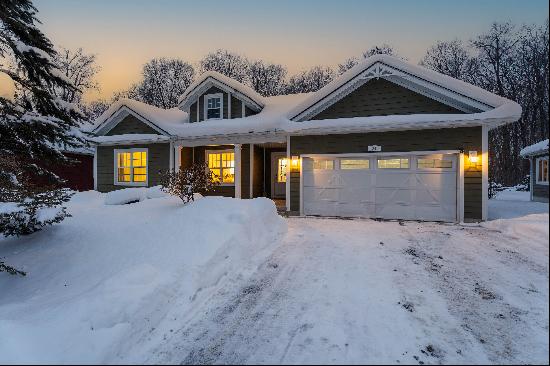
(35, 125)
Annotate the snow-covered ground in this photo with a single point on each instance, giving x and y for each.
(153, 282)
(99, 283)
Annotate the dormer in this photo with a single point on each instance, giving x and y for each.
(215, 96)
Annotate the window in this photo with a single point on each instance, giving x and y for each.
(393, 163)
(426, 163)
(542, 171)
(222, 165)
(281, 170)
(354, 164)
(213, 106)
(131, 167)
(322, 164)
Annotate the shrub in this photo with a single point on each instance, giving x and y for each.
(185, 182)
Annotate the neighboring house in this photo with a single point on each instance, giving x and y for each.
(386, 139)
(538, 159)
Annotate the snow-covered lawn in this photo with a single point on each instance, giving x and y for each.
(226, 281)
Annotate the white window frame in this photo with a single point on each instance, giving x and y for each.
(205, 105)
(131, 183)
(232, 151)
(541, 182)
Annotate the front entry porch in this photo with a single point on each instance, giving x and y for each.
(243, 170)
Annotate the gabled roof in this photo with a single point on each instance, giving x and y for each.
(161, 120)
(213, 78)
(539, 148)
(459, 94)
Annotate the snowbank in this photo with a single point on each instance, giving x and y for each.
(100, 281)
(128, 195)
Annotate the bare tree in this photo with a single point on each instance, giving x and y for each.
(267, 79)
(227, 63)
(164, 80)
(78, 67)
(310, 80)
(383, 49)
(451, 58)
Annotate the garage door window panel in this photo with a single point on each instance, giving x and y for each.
(434, 163)
(393, 163)
(354, 164)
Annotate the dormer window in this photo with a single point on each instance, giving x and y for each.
(213, 106)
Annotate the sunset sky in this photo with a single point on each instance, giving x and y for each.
(299, 34)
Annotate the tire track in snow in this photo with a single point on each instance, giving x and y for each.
(475, 294)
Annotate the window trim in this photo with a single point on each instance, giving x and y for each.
(131, 183)
(207, 97)
(537, 170)
(207, 152)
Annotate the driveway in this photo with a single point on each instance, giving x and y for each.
(361, 291)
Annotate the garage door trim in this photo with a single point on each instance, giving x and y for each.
(459, 172)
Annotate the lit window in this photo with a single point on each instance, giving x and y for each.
(322, 164)
(131, 167)
(394, 163)
(542, 171)
(424, 163)
(281, 170)
(213, 106)
(354, 164)
(222, 165)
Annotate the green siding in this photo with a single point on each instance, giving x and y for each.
(399, 141)
(379, 97)
(245, 171)
(131, 124)
(236, 107)
(158, 160)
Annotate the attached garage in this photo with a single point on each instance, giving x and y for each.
(412, 186)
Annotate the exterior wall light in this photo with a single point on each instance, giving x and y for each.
(472, 155)
(295, 161)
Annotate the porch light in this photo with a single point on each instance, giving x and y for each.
(295, 160)
(472, 155)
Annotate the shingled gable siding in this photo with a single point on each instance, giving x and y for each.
(131, 124)
(158, 160)
(379, 97)
(468, 138)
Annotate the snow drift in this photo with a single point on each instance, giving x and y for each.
(99, 282)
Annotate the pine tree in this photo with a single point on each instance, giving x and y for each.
(34, 125)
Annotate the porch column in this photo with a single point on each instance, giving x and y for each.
(251, 171)
(238, 171)
(177, 157)
(484, 172)
(287, 193)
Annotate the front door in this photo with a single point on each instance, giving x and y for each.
(279, 163)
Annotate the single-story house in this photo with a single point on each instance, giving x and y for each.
(386, 139)
(538, 160)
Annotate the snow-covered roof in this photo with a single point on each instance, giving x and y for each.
(208, 78)
(163, 119)
(130, 138)
(540, 147)
(398, 70)
(271, 119)
(292, 114)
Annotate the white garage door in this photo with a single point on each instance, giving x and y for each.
(414, 187)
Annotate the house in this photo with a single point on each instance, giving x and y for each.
(538, 160)
(386, 139)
